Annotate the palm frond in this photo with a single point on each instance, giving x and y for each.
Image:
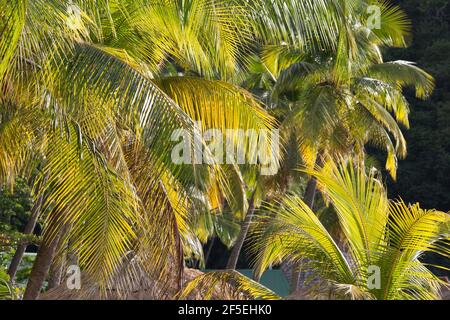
(227, 285)
(100, 207)
(12, 21)
(294, 232)
(388, 237)
(404, 73)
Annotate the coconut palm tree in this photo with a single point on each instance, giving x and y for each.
(334, 101)
(379, 254)
(90, 85)
(92, 92)
(345, 98)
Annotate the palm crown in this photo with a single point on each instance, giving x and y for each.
(87, 82)
(381, 239)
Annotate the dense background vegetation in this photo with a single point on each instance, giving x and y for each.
(424, 176)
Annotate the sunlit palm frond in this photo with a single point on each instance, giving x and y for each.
(204, 36)
(226, 285)
(12, 20)
(309, 24)
(142, 106)
(404, 73)
(394, 26)
(237, 125)
(21, 141)
(390, 96)
(100, 207)
(217, 104)
(412, 232)
(382, 240)
(295, 233)
(382, 115)
(360, 202)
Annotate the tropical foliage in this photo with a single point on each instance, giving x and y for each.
(97, 111)
(92, 92)
(376, 235)
(6, 290)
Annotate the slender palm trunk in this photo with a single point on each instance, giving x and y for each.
(310, 194)
(29, 228)
(57, 266)
(55, 276)
(41, 267)
(233, 259)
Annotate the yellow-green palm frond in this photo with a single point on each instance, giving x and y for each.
(232, 188)
(37, 33)
(12, 20)
(230, 285)
(21, 140)
(225, 226)
(310, 24)
(370, 123)
(168, 197)
(86, 194)
(402, 74)
(163, 229)
(390, 96)
(294, 76)
(277, 58)
(292, 231)
(412, 232)
(217, 104)
(316, 115)
(204, 36)
(361, 204)
(131, 96)
(394, 26)
(381, 240)
(240, 119)
(383, 117)
(377, 136)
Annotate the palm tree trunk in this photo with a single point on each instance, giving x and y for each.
(56, 268)
(29, 228)
(41, 268)
(55, 276)
(310, 194)
(233, 259)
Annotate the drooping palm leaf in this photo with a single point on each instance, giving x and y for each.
(388, 237)
(227, 285)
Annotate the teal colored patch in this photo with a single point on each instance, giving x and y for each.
(272, 279)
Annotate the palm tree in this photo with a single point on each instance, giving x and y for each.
(335, 100)
(90, 84)
(345, 98)
(377, 234)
